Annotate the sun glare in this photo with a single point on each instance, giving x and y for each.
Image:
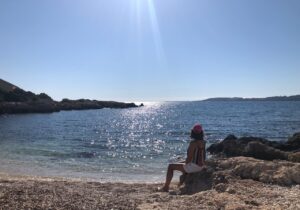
(154, 24)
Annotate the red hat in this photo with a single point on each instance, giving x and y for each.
(197, 128)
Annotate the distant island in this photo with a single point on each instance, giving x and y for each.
(273, 98)
(16, 100)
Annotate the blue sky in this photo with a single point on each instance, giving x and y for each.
(151, 50)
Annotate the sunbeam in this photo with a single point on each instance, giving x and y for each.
(147, 9)
(156, 32)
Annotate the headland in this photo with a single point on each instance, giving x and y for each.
(15, 100)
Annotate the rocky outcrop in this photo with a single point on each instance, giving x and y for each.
(220, 172)
(82, 104)
(270, 172)
(252, 158)
(53, 106)
(14, 100)
(262, 151)
(259, 148)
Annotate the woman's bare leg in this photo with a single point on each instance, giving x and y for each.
(171, 169)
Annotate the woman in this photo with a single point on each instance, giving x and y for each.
(195, 157)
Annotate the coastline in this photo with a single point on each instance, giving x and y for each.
(14, 100)
(28, 192)
(65, 105)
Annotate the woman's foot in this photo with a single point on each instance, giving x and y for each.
(163, 189)
(182, 179)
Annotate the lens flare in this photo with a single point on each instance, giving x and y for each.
(146, 8)
(156, 31)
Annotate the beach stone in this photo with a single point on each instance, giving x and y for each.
(220, 187)
(230, 190)
(252, 202)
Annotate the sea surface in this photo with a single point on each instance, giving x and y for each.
(131, 145)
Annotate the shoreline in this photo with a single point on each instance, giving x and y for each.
(27, 177)
(234, 192)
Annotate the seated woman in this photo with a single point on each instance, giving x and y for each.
(195, 157)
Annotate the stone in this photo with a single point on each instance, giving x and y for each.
(196, 182)
(220, 187)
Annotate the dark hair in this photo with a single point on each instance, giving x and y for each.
(197, 136)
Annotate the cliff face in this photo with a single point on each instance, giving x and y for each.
(16, 100)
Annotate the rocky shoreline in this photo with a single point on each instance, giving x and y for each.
(259, 148)
(230, 181)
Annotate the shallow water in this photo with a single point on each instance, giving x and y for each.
(131, 144)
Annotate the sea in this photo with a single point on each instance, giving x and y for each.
(135, 144)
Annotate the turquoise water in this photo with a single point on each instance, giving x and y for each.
(131, 144)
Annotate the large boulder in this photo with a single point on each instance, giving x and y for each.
(256, 147)
(196, 182)
(219, 147)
